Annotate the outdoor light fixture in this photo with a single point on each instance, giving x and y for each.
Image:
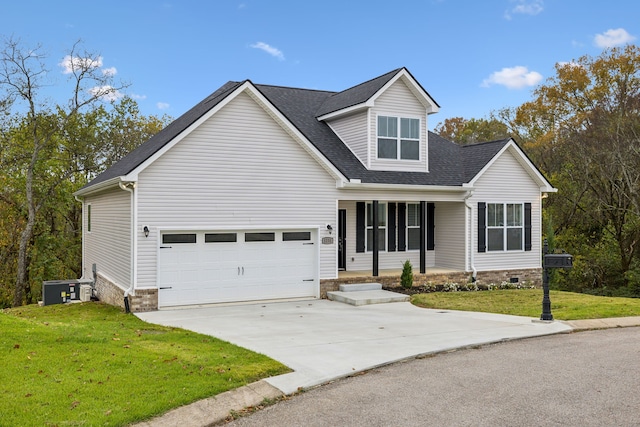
(146, 231)
(330, 228)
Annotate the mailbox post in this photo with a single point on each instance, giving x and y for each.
(551, 261)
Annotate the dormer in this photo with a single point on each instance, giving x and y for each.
(384, 121)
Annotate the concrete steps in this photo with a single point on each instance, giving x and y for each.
(365, 294)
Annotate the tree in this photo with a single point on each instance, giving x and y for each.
(468, 131)
(406, 279)
(35, 148)
(583, 127)
(94, 139)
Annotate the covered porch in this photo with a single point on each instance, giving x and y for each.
(432, 234)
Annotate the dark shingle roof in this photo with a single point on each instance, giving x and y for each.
(138, 156)
(355, 95)
(450, 164)
(476, 156)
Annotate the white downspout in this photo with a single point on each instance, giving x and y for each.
(469, 237)
(130, 187)
(82, 226)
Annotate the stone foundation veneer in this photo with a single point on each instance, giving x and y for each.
(144, 300)
(147, 299)
(110, 293)
(533, 275)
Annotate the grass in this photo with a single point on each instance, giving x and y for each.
(91, 364)
(528, 302)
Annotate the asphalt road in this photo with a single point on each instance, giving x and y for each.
(581, 379)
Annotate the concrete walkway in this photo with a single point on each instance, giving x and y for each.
(323, 340)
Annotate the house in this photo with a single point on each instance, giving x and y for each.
(265, 192)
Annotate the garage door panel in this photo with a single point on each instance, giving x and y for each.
(223, 267)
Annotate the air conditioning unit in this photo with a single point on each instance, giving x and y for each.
(85, 293)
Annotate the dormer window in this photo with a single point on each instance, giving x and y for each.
(398, 138)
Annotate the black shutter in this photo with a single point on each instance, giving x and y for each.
(527, 226)
(391, 227)
(402, 227)
(482, 225)
(431, 226)
(423, 240)
(360, 226)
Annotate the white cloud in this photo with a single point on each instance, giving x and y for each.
(69, 63)
(162, 105)
(513, 78)
(525, 7)
(110, 72)
(611, 38)
(569, 63)
(136, 96)
(276, 53)
(106, 93)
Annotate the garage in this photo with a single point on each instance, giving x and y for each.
(207, 267)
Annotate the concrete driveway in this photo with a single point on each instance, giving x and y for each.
(323, 340)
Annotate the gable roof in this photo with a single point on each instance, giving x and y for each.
(450, 164)
(355, 95)
(363, 94)
(136, 157)
(477, 155)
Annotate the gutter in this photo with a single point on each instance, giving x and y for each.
(130, 187)
(357, 184)
(97, 187)
(469, 238)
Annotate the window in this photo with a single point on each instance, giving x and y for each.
(505, 226)
(413, 226)
(404, 144)
(289, 236)
(220, 238)
(89, 218)
(260, 237)
(382, 226)
(178, 238)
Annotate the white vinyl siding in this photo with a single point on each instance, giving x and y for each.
(450, 229)
(108, 245)
(507, 182)
(217, 178)
(398, 101)
(352, 130)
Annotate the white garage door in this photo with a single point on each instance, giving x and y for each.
(227, 266)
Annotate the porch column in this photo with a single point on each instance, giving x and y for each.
(423, 242)
(375, 238)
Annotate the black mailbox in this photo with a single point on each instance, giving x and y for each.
(558, 261)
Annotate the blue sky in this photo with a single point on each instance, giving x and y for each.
(471, 56)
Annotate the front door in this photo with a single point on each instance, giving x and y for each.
(342, 239)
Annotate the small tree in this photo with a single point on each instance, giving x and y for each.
(406, 280)
(36, 149)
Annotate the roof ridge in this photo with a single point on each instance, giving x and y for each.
(396, 71)
(355, 94)
(475, 144)
(293, 87)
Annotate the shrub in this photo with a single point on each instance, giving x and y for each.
(406, 280)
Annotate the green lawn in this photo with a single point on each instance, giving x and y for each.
(91, 364)
(528, 302)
